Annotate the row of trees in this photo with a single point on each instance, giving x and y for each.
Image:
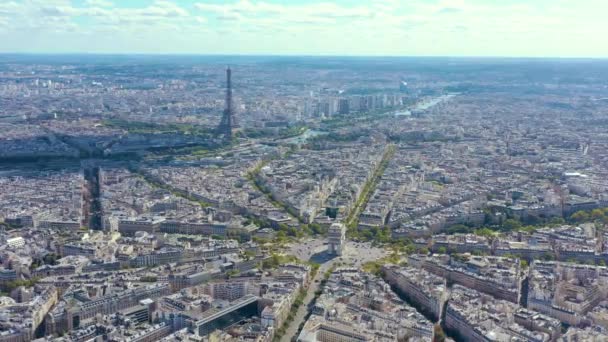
(154, 127)
(352, 221)
(7, 287)
(599, 215)
(374, 234)
(49, 259)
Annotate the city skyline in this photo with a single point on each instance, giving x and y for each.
(245, 27)
(303, 170)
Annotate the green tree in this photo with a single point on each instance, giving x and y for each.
(248, 255)
(36, 262)
(260, 240)
(556, 221)
(281, 236)
(11, 285)
(511, 225)
(271, 262)
(458, 228)
(486, 232)
(232, 273)
(597, 214)
(548, 257)
(50, 259)
(148, 279)
(383, 235)
(438, 334)
(367, 234)
(318, 229)
(580, 216)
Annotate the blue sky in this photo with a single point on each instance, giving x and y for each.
(531, 28)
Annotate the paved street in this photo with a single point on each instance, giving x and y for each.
(303, 309)
(355, 255)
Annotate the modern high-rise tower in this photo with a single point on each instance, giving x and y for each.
(228, 123)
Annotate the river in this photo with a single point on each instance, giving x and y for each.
(424, 105)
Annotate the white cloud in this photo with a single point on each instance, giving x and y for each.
(99, 3)
(9, 8)
(419, 27)
(303, 13)
(163, 8)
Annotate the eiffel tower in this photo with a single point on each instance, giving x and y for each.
(228, 124)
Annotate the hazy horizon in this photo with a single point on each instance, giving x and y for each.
(279, 55)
